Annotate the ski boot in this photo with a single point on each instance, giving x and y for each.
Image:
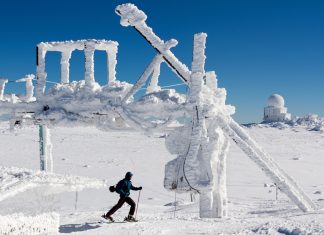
(108, 218)
(130, 218)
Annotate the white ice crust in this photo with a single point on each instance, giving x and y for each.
(20, 224)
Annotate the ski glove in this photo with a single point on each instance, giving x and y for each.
(140, 188)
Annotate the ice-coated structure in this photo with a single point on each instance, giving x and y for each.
(276, 110)
(3, 83)
(200, 145)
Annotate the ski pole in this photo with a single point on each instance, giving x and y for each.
(139, 194)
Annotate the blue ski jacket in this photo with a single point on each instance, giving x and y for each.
(124, 186)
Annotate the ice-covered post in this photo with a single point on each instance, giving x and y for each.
(41, 74)
(2, 87)
(218, 147)
(46, 160)
(199, 125)
(89, 49)
(211, 80)
(154, 83)
(112, 62)
(29, 86)
(65, 66)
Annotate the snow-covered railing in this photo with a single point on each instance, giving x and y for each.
(16, 180)
(19, 224)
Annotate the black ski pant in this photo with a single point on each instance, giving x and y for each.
(120, 203)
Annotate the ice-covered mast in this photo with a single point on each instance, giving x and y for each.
(3, 83)
(206, 148)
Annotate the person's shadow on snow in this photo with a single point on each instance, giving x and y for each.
(70, 228)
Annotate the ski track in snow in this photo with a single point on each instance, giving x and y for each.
(88, 152)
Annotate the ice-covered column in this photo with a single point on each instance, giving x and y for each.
(89, 49)
(2, 87)
(65, 66)
(191, 167)
(29, 86)
(211, 80)
(41, 74)
(218, 148)
(112, 62)
(46, 159)
(154, 83)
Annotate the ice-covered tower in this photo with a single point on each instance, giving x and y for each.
(276, 110)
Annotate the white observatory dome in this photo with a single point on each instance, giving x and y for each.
(276, 100)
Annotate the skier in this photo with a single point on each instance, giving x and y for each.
(122, 188)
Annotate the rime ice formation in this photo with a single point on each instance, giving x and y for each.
(276, 110)
(201, 143)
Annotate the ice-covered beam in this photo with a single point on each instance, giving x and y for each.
(154, 83)
(60, 46)
(3, 83)
(286, 184)
(89, 49)
(65, 66)
(141, 81)
(111, 62)
(132, 16)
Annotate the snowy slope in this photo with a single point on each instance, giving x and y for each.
(88, 152)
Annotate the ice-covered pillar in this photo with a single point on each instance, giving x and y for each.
(29, 86)
(112, 62)
(218, 148)
(154, 83)
(211, 80)
(199, 125)
(65, 66)
(2, 87)
(89, 49)
(41, 74)
(46, 159)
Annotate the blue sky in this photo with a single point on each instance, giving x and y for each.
(256, 47)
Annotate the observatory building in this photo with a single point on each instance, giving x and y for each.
(276, 110)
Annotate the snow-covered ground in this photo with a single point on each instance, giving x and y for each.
(88, 152)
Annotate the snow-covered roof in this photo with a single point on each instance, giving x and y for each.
(276, 100)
